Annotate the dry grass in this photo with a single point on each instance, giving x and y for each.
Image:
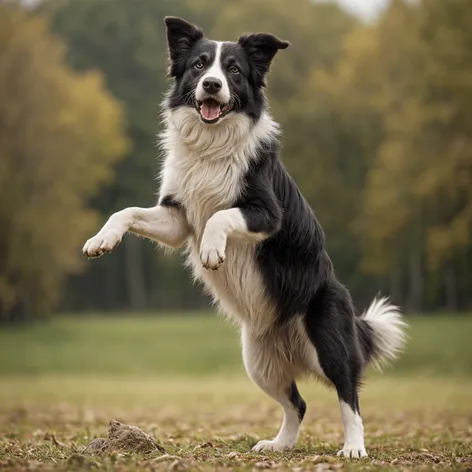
(211, 424)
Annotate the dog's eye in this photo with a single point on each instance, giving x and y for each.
(198, 65)
(234, 70)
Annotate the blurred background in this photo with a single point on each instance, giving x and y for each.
(375, 100)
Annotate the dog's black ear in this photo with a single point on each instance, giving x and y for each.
(261, 49)
(181, 36)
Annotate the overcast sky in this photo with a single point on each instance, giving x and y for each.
(366, 9)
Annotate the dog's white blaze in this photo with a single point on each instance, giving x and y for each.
(216, 71)
(353, 433)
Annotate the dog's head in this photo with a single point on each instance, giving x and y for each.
(218, 78)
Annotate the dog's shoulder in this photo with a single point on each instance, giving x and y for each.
(267, 173)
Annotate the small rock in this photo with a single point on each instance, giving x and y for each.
(125, 438)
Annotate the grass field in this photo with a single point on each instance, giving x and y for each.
(181, 379)
(196, 345)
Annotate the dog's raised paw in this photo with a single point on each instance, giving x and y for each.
(212, 253)
(212, 259)
(352, 452)
(101, 243)
(266, 445)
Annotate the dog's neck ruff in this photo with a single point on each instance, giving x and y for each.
(237, 137)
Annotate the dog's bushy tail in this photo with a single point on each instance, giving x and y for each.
(381, 332)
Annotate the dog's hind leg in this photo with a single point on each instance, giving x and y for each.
(331, 326)
(274, 378)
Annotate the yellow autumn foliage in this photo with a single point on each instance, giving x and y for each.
(60, 134)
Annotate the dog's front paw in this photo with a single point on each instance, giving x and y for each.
(267, 446)
(212, 251)
(101, 243)
(352, 452)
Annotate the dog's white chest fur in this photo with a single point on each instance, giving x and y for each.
(204, 170)
(204, 186)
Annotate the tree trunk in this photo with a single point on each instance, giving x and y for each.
(111, 284)
(134, 274)
(450, 283)
(415, 302)
(396, 291)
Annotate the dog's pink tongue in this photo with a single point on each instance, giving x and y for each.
(210, 109)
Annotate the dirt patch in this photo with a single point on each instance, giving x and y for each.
(122, 437)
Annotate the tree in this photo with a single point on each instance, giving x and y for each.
(388, 166)
(60, 132)
(416, 216)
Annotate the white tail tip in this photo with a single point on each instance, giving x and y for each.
(388, 328)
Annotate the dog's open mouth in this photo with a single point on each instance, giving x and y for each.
(211, 111)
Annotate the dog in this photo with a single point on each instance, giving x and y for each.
(251, 237)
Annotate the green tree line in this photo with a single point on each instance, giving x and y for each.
(377, 123)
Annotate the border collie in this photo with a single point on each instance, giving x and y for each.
(250, 236)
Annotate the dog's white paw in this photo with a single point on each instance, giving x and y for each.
(101, 243)
(352, 452)
(212, 251)
(266, 445)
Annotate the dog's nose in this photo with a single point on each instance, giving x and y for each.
(212, 85)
